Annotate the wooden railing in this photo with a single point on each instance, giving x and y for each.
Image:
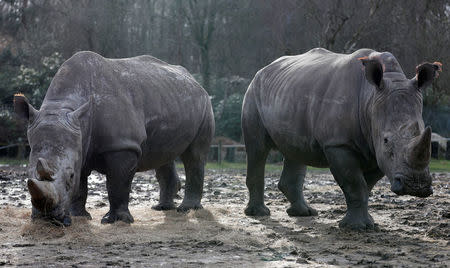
(231, 149)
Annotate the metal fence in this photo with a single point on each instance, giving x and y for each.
(6, 108)
(236, 153)
(438, 152)
(17, 150)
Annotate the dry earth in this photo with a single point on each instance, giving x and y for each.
(412, 232)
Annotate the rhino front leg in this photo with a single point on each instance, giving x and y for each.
(372, 178)
(169, 185)
(345, 167)
(291, 184)
(120, 169)
(78, 205)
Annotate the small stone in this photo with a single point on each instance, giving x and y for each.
(100, 204)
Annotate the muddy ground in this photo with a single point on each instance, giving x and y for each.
(412, 231)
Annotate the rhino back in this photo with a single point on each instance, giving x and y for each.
(310, 101)
(136, 101)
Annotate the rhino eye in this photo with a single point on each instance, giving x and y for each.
(385, 141)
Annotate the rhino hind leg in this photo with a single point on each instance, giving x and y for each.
(78, 204)
(169, 185)
(194, 166)
(345, 167)
(291, 184)
(257, 145)
(120, 169)
(256, 162)
(194, 160)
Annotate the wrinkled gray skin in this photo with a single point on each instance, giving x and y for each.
(116, 116)
(333, 110)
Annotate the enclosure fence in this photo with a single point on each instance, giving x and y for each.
(217, 153)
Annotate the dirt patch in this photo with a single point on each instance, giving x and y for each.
(413, 231)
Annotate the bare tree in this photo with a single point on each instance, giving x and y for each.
(201, 17)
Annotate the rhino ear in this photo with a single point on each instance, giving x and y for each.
(374, 71)
(23, 108)
(81, 111)
(426, 73)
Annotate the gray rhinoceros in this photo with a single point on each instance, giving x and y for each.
(115, 116)
(356, 114)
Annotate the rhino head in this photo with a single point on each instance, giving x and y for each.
(55, 159)
(401, 143)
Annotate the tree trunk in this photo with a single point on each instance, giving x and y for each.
(204, 54)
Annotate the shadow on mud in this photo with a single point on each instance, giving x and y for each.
(201, 220)
(82, 227)
(304, 229)
(312, 237)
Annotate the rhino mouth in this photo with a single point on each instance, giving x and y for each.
(46, 202)
(419, 185)
(54, 218)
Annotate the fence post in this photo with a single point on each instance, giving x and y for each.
(219, 153)
(447, 151)
(230, 154)
(435, 149)
(20, 151)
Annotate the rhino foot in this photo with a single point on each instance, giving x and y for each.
(164, 206)
(81, 213)
(185, 207)
(301, 210)
(113, 216)
(358, 223)
(258, 210)
(65, 221)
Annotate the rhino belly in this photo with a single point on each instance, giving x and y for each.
(292, 135)
(165, 144)
(301, 148)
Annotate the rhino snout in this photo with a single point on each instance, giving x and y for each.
(47, 202)
(43, 194)
(402, 185)
(397, 186)
(425, 193)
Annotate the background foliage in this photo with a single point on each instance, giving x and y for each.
(222, 42)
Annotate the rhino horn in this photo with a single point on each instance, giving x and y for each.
(44, 170)
(43, 194)
(420, 149)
